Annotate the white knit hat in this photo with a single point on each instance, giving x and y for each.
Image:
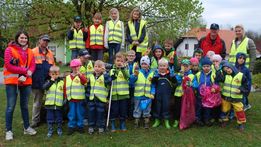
(145, 59)
(216, 58)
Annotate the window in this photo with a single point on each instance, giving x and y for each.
(195, 46)
(186, 46)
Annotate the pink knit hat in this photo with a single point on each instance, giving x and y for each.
(194, 60)
(75, 63)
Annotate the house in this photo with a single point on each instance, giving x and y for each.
(186, 44)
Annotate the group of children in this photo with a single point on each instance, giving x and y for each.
(146, 88)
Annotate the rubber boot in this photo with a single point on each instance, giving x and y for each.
(156, 123)
(136, 123)
(167, 124)
(123, 125)
(146, 123)
(59, 129)
(113, 128)
(50, 130)
(241, 127)
(176, 124)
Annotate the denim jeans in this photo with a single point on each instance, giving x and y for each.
(76, 114)
(119, 109)
(113, 49)
(11, 94)
(96, 113)
(138, 112)
(97, 54)
(54, 116)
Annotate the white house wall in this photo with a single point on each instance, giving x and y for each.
(59, 52)
(181, 48)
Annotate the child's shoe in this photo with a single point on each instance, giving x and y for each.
(241, 127)
(123, 126)
(136, 122)
(50, 130)
(113, 128)
(156, 123)
(59, 130)
(176, 124)
(85, 122)
(167, 124)
(9, 135)
(91, 130)
(146, 123)
(29, 131)
(70, 131)
(247, 107)
(101, 130)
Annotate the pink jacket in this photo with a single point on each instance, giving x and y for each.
(17, 69)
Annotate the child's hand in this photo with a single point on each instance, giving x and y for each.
(238, 91)
(213, 90)
(147, 52)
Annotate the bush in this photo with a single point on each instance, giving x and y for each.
(257, 67)
(256, 80)
(1, 62)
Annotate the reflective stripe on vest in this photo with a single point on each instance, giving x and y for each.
(98, 88)
(74, 88)
(96, 35)
(87, 70)
(120, 85)
(179, 89)
(54, 95)
(115, 31)
(143, 85)
(231, 85)
(241, 48)
(77, 41)
(39, 57)
(142, 47)
(12, 78)
(154, 64)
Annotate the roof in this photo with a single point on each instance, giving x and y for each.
(226, 35)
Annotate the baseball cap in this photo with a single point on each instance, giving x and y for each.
(77, 19)
(45, 37)
(84, 53)
(214, 26)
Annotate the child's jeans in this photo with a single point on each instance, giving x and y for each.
(245, 100)
(97, 54)
(54, 116)
(138, 112)
(131, 102)
(96, 113)
(119, 109)
(76, 114)
(207, 113)
(113, 49)
(198, 108)
(177, 108)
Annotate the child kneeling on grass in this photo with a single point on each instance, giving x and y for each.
(143, 93)
(54, 100)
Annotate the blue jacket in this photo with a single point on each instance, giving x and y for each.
(134, 78)
(179, 79)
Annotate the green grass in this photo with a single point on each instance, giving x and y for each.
(195, 136)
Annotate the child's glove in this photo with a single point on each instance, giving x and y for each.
(171, 72)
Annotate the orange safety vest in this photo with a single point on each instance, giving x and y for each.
(39, 57)
(12, 78)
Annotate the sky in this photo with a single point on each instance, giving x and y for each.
(228, 13)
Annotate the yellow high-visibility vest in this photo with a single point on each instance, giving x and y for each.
(77, 42)
(241, 48)
(231, 85)
(96, 35)
(120, 84)
(179, 90)
(143, 85)
(142, 47)
(115, 31)
(74, 88)
(54, 95)
(98, 88)
(87, 70)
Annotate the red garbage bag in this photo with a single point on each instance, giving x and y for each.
(188, 103)
(210, 99)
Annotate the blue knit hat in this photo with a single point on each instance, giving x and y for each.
(205, 61)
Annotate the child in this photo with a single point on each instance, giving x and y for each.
(95, 42)
(164, 81)
(158, 53)
(216, 60)
(120, 92)
(210, 54)
(241, 67)
(170, 54)
(205, 79)
(235, 86)
(143, 93)
(98, 83)
(185, 71)
(136, 34)
(198, 53)
(54, 100)
(131, 66)
(114, 36)
(87, 65)
(75, 93)
(194, 65)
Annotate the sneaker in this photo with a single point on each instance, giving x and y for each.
(247, 107)
(136, 123)
(29, 131)
(101, 130)
(90, 130)
(9, 135)
(85, 122)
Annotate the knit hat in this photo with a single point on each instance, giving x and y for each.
(216, 58)
(194, 60)
(185, 62)
(157, 47)
(75, 63)
(145, 59)
(198, 50)
(205, 61)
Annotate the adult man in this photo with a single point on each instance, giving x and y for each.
(44, 60)
(213, 42)
(245, 45)
(76, 36)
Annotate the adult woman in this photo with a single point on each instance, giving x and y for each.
(18, 68)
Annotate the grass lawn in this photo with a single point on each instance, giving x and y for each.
(195, 136)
